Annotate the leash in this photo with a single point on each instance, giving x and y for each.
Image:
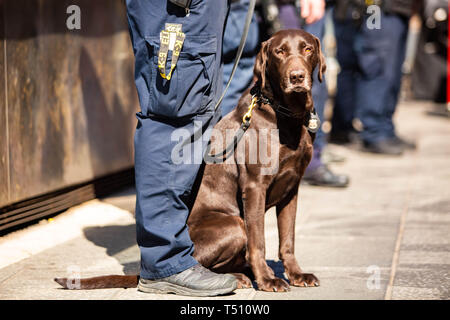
(229, 150)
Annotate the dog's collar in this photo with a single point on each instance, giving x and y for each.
(312, 121)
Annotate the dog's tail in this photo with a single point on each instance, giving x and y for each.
(102, 282)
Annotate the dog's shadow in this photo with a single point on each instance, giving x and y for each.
(278, 268)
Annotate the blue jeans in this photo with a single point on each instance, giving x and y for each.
(164, 186)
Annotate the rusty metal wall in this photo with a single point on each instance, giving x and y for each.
(4, 166)
(67, 97)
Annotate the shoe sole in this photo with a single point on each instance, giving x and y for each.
(317, 184)
(168, 288)
(394, 154)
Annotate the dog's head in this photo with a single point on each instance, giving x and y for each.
(287, 60)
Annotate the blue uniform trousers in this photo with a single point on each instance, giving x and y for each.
(173, 112)
(370, 80)
(231, 40)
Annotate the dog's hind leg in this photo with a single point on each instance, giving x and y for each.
(219, 244)
(244, 282)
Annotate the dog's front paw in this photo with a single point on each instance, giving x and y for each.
(273, 285)
(304, 280)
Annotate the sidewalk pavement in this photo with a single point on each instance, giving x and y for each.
(387, 236)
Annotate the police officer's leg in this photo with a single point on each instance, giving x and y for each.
(397, 63)
(344, 103)
(395, 66)
(376, 49)
(231, 40)
(241, 81)
(169, 109)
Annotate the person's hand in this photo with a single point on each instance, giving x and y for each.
(312, 10)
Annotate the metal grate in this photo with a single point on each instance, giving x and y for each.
(30, 210)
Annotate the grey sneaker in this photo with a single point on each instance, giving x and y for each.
(195, 281)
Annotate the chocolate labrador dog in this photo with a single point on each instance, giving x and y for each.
(226, 223)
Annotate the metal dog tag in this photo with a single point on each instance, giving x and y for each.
(314, 123)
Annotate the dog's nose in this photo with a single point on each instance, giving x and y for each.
(297, 76)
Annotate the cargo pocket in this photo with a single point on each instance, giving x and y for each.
(188, 92)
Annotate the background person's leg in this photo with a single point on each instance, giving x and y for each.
(344, 103)
(320, 97)
(164, 187)
(393, 97)
(395, 69)
(380, 53)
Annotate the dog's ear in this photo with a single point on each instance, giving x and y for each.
(321, 64)
(259, 71)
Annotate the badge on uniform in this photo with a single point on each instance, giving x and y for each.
(171, 39)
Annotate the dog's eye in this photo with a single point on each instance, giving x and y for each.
(308, 50)
(279, 51)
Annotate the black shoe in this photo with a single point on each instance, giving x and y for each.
(386, 146)
(343, 137)
(196, 281)
(322, 176)
(405, 144)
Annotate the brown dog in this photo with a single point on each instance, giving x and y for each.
(226, 223)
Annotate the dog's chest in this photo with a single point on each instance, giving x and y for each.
(292, 166)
